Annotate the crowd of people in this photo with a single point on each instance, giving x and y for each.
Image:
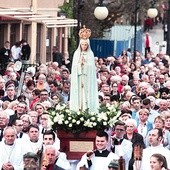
(142, 90)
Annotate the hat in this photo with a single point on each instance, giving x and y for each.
(113, 164)
(31, 155)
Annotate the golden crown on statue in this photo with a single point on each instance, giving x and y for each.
(84, 33)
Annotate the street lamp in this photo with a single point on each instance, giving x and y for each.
(101, 12)
(152, 12)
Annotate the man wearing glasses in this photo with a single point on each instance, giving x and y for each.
(44, 96)
(18, 125)
(20, 110)
(120, 145)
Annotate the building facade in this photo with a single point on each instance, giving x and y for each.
(36, 21)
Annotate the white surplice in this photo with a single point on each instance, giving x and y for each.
(148, 152)
(13, 154)
(124, 150)
(98, 163)
(32, 146)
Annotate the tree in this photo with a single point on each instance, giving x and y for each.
(117, 8)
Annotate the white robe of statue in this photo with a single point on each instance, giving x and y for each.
(84, 89)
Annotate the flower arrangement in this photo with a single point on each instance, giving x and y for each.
(82, 121)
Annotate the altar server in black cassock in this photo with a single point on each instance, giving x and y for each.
(101, 157)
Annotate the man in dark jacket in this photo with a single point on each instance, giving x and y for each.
(25, 50)
(57, 56)
(5, 56)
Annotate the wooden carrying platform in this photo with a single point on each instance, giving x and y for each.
(75, 145)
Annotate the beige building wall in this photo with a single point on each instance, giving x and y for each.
(45, 7)
(27, 3)
(49, 4)
(16, 3)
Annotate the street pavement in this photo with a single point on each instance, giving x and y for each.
(157, 39)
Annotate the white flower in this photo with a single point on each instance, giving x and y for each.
(78, 122)
(70, 125)
(94, 124)
(113, 120)
(102, 116)
(66, 122)
(93, 118)
(118, 113)
(98, 119)
(58, 107)
(69, 118)
(104, 123)
(78, 113)
(88, 123)
(73, 121)
(53, 113)
(60, 122)
(107, 105)
(67, 111)
(55, 119)
(62, 116)
(82, 119)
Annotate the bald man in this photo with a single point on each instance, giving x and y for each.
(11, 156)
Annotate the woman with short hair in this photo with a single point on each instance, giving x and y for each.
(134, 137)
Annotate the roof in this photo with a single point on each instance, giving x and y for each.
(25, 14)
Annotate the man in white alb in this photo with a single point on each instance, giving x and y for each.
(11, 151)
(155, 139)
(34, 144)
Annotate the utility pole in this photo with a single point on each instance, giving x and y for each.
(135, 30)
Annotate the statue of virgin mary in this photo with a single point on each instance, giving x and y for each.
(84, 89)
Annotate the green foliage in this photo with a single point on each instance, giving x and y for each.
(67, 8)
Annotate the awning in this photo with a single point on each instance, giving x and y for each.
(24, 14)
